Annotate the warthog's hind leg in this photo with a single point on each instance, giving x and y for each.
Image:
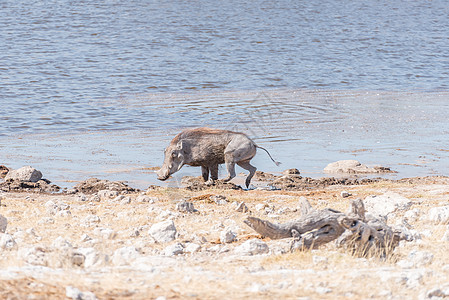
(252, 170)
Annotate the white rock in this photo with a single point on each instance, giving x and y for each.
(76, 294)
(192, 248)
(125, 200)
(105, 233)
(34, 256)
(438, 215)
(93, 258)
(352, 167)
(145, 198)
(3, 224)
(26, 173)
(412, 215)
(60, 242)
(174, 249)
(252, 247)
(124, 256)
(438, 293)
(163, 232)
(416, 259)
(91, 220)
(386, 204)
(227, 236)
(219, 199)
(107, 194)
(241, 207)
(260, 206)
(7, 242)
(184, 206)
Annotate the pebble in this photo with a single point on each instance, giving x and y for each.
(345, 194)
(241, 207)
(185, 206)
(7, 242)
(163, 232)
(191, 248)
(76, 294)
(219, 199)
(252, 247)
(125, 255)
(227, 236)
(174, 249)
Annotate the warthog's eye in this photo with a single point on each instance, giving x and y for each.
(173, 155)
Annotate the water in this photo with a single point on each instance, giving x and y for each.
(99, 89)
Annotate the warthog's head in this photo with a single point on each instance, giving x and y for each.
(173, 161)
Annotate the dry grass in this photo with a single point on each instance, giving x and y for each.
(207, 274)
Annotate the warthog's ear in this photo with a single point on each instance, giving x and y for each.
(179, 145)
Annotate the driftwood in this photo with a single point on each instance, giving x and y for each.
(351, 230)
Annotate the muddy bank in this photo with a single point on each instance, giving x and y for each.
(289, 180)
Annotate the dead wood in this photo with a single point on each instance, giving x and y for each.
(314, 228)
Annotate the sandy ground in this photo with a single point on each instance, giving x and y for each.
(60, 246)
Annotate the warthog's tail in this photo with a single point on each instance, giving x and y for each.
(276, 162)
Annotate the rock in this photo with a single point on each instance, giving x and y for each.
(438, 293)
(90, 220)
(218, 199)
(146, 199)
(3, 171)
(124, 256)
(35, 256)
(354, 167)
(7, 242)
(261, 206)
(241, 207)
(438, 215)
(416, 259)
(345, 194)
(386, 204)
(76, 294)
(227, 236)
(252, 247)
(163, 232)
(186, 207)
(192, 248)
(412, 215)
(174, 249)
(53, 208)
(3, 224)
(107, 194)
(105, 233)
(291, 172)
(26, 174)
(94, 185)
(93, 258)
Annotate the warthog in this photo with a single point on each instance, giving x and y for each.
(207, 148)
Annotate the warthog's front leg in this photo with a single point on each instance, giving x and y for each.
(205, 172)
(213, 174)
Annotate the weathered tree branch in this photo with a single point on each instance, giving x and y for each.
(318, 227)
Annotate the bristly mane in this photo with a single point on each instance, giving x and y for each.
(185, 134)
